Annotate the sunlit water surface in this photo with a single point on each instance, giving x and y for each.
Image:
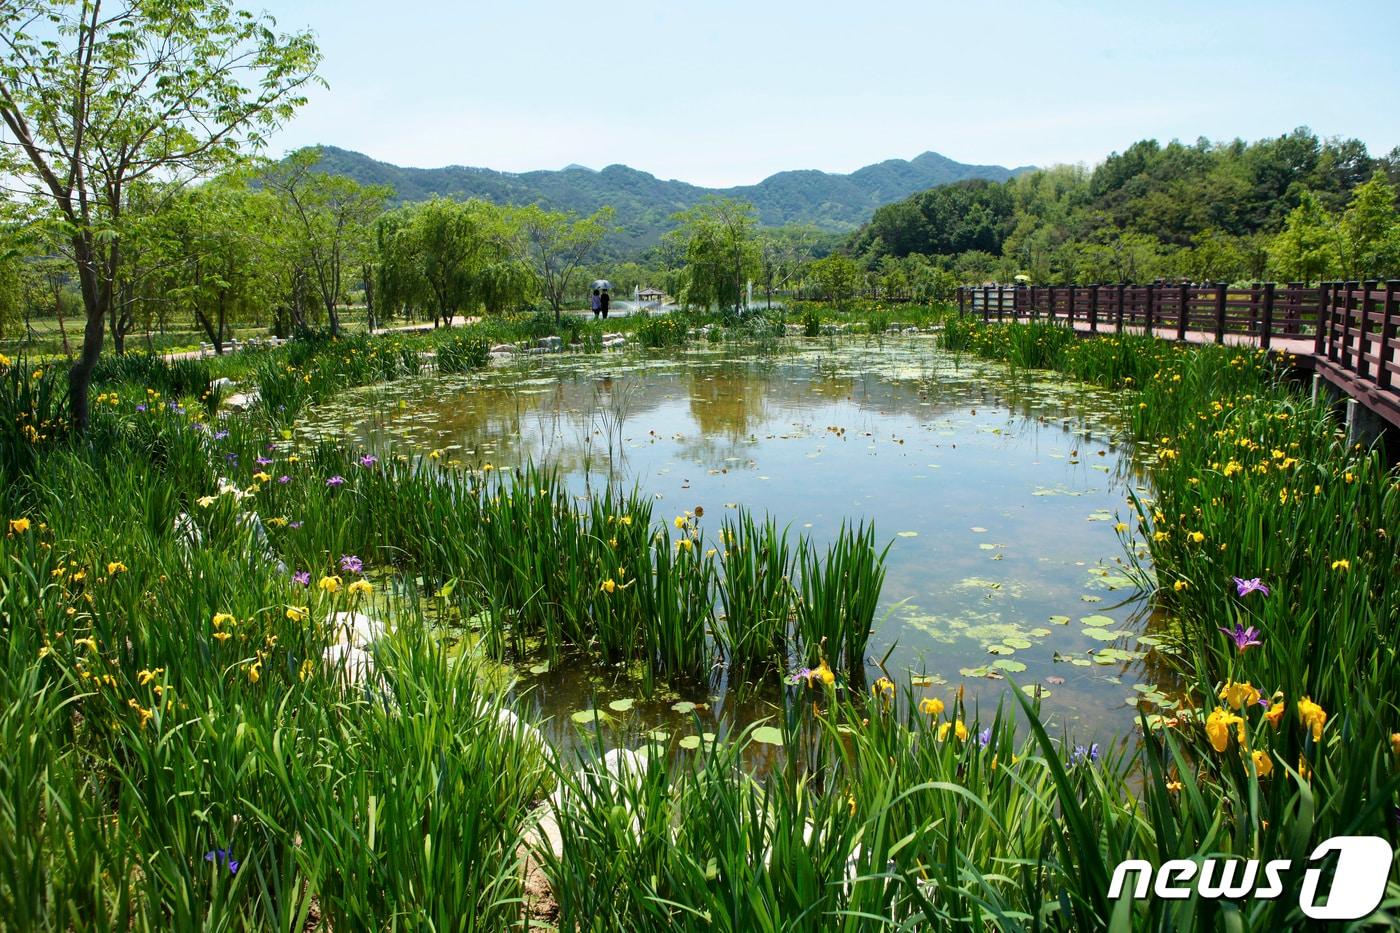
(999, 491)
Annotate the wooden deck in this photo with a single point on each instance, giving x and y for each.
(1344, 331)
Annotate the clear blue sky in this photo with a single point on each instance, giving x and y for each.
(718, 92)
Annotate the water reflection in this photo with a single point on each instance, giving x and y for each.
(1000, 492)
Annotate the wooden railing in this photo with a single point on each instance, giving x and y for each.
(1348, 327)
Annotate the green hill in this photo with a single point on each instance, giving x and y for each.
(645, 203)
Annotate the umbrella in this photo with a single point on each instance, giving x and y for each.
(1023, 278)
(602, 284)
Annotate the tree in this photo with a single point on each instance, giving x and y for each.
(1306, 249)
(1370, 232)
(452, 256)
(334, 217)
(559, 244)
(838, 277)
(782, 253)
(219, 245)
(100, 95)
(720, 252)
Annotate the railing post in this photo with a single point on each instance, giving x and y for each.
(986, 302)
(1069, 307)
(1266, 334)
(1220, 312)
(1347, 289)
(1387, 346)
(1362, 367)
(1147, 314)
(1050, 302)
(1184, 312)
(1093, 309)
(1324, 322)
(1120, 288)
(961, 298)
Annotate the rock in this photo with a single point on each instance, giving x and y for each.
(551, 344)
(187, 532)
(499, 357)
(357, 630)
(223, 382)
(241, 401)
(504, 348)
(352, 666)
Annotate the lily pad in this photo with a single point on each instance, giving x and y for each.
(1000, 649)
(978, 529)
(683, 707)
(621, 706)
(1060, 620)
(907, 534)
(538, 669)
(1102, 515)
(586, 716)
(1008, 665)
(768, 735)
(1097, 620)
(1016, 641)
(1100, 634)
(690, 741)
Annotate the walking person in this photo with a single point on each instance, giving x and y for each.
(596, 303)
(603, 303)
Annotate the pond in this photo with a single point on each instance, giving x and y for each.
(999, 493)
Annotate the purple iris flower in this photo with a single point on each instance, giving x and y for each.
(336, 480)
(984, 737)
(284, 480)
(264, 461)
(140, 407)
(294, 525)
(351, 564)
(368, 460)
(1245, 587)
(303, 577)
(1082, 754)
(231, 458)
(220, 435)
(225, 856)
(1243, 637)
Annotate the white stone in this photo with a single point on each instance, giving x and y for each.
(353, 666)
(357, 630)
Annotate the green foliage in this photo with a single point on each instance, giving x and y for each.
(721, 252)
(1205, 212)
(1306, 249)
(663, 330)
(463, 353)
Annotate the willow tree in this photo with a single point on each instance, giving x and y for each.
(100, 95)
(720, 251)
(453, 257)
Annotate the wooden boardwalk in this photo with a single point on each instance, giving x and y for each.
(1346, 332)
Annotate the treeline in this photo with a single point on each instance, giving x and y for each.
(1295, 208)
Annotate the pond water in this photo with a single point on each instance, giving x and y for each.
(999, 491)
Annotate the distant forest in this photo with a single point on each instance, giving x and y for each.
(1294, 207)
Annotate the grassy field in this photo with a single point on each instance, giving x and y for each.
(195, 733)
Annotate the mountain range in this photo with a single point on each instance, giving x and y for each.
(644, 203)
